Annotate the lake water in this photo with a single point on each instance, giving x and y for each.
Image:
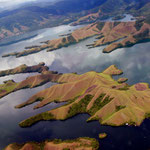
(134, 61)
(127, 18)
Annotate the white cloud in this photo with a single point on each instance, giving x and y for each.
(10, 3)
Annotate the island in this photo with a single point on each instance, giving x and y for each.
(57, 144)
(97, 94)
(102, 135)
(112, 34)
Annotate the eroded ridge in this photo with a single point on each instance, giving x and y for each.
(113, 34)
(98, 94)
(33, 81)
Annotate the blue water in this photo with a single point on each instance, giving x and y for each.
(134, 61)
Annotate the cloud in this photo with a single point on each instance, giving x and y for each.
(11, 3)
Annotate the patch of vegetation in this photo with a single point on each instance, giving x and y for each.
(102, 135)
(147, 20)
(100, 25)
(34, 119)
(128, 43)
(118, 108)
(138, 24)
(142, 35)
(79, 107)
(98, 104)
(64, 40)
(95, 144)
(71, 39)
(116, 23)
(147, 115)
(99, 37)
(124, 88)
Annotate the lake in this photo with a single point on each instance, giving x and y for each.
(134, 61)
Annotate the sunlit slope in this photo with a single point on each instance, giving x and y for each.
(33, 81)
(76, 144)
(113, 34)
(97, 94)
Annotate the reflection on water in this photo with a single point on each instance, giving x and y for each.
(17, 77)
(127, 18)
(134, 61)
(10, 117)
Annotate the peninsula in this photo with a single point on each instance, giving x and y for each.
(113, 34)
(25, 69)
(45, 76)
(98, 94)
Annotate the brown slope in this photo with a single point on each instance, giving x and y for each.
(51, 45)
(83, 143)
(30, 82)
(24, 69)
(128, 34)
(97, 94)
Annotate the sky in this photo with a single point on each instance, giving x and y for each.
(11, 3)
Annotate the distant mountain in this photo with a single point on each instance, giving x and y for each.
(43, 14)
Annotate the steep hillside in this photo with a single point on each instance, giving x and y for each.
(25, 69)
(113, 34)
(30, 82)
(29, 18)
(98, 94)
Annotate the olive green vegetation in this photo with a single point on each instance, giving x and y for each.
(8, 86)
(102, 135)
(99, 103)
(34, 119)
(118, 108)
(147, 115)
(142, 36)
(124, 88)
(99, 93)
(100, 25)
(79, 107)
(71, 39)
(84, 142)
(75, 109)
(116, 23)
(138, 24)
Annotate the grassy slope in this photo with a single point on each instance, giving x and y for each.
(30, 82)
(31, 18)
(80, 143)
(128, 34)
(97, 94)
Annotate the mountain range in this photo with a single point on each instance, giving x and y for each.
(36, 16)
